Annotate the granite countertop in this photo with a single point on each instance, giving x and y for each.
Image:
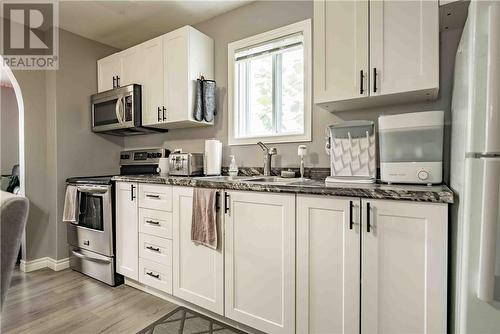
(418, 193)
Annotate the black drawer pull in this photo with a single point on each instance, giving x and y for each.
(374, 79)
(155, 249)
(132, 197)
(153, 196)
(159, 116)
(157, 276)
(153, 222)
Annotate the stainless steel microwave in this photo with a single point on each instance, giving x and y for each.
(118, 111)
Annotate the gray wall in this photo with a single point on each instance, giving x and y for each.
(58, 139)
(259, 17)
(32, 84)
(9, 131)
(77, 150)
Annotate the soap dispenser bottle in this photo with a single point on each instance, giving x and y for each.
(233, 168)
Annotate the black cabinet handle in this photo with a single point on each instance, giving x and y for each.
(152, 222)
(351, 221)
(117, 81)
(114, 79)
(361, 77)
(217, 199)
(155, 249)
(132, 192)
(374, 79)
(368, 217)
(159, 117)
(164, 110)
(226, 206)
(157, 276)
(153, 196)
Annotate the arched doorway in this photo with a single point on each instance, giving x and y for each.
(8, 80)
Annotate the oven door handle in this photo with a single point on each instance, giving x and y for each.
(93, 190)
(81, 256)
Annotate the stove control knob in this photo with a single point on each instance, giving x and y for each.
(423, 175)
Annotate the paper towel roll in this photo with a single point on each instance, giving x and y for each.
(213, 157)
(163, 167)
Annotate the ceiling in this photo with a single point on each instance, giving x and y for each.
(122, 24)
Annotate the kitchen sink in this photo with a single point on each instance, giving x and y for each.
(259, 179)
(270, 180)
(225, 178)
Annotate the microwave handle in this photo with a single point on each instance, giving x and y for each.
(119, 110)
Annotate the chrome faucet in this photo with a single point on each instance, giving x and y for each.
(268, 153)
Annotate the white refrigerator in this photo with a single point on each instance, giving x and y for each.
(475, 174)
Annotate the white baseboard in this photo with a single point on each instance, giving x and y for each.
(44, 262)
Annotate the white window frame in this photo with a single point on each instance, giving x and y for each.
(303, 27)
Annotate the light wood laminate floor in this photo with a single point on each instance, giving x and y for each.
(45, 301)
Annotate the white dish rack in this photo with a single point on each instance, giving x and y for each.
(352, 149)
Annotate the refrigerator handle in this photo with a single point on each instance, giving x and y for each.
(488, 236)
(492, 133)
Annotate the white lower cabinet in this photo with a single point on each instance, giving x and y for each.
(260, 260)
(404, 266)
(198, 270)
(127, 230)
(328, 268)
(385, 275)
(291, 263)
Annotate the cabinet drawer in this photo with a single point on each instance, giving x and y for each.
(156, 223)
(155, 249)
(157, 197)
(155, 275)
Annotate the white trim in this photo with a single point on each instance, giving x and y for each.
(44, 262)
(22, 158)
(171, 298)
(305, 28)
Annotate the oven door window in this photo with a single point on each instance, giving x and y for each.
(91, 211)
(105, 113)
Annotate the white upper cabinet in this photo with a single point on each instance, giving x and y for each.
(131, 72)
(127, 230)
(175, 64)
(328, 267)
(404, 266)
(341, 50)
(404, 47)
(167, 68)
(109, 70)
(187, 54)
(198, 273)
(153, 82)
(375, 52)
(260, 260)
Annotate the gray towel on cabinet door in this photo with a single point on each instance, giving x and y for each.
(198, 103)
(209, 104)
(204, 221)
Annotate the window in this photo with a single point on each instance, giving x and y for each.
(270, 86)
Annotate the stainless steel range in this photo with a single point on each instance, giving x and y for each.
(92, 240)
